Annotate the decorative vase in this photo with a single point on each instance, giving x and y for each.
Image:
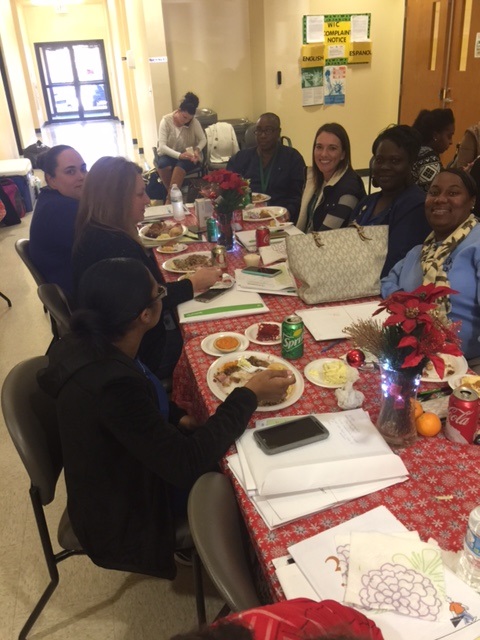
(396, 420)
(225, 230)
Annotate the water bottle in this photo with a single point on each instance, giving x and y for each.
(176, 199)
(469, 564)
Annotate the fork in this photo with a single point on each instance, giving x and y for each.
(248, 367)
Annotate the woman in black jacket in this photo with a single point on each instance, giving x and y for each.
(129, 455)
(112, 204)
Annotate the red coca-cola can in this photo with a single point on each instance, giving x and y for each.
(462, 418)
(262, 236)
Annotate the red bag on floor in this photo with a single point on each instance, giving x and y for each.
(14, 195)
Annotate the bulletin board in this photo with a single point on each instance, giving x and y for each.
(330, 44)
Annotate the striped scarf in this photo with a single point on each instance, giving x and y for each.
(434, 255)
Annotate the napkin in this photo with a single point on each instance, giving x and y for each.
(397, 574)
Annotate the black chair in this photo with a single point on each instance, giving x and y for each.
(251, 141)
(22, 247)
(221, 541)
(7, 300)
(31, 420)
(56, 303)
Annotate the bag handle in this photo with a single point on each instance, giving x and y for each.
(360, 230)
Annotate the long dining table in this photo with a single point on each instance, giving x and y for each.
(444, 477)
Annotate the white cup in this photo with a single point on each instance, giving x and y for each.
(252, 259)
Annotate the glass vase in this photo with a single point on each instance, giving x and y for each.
(226, 236)
(396, 420)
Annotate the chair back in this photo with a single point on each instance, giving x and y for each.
(222, 144)
(251, 141)
(216, 526)
(22, 247)
(56, 303)
(31, 421)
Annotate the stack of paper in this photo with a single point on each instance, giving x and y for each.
(277, 237)
(229, 305)
(327, 323)
(283, 284)
(352, 462)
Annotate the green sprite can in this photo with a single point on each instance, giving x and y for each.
(212, 230)
(292, 337)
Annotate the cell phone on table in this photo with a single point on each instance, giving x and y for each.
(268, 272)
(209, 295)
(290, 435)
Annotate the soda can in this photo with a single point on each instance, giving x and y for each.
(462, 417)
(219, 257)
(292, 337)
(262, 236)
(212, 230)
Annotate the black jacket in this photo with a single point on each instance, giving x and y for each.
(121, 457)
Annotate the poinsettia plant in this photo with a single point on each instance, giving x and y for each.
(226, 189)
(415, 331)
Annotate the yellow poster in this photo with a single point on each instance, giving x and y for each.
(360, 52)
(313, 55)
(337, 38)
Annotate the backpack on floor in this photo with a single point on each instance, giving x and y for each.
(13, 192)
(33, 151)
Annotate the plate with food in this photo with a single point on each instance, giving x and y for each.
(331, 373)
(172, 247)
(259, 198)
(162, 232)
(217, 344)
(469, 380)
(190, 262)
(234, 370)
(259, 214)
(454, 366)
(267, 333)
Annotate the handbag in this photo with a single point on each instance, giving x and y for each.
(340, 264)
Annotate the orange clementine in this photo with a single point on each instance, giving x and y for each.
(418, 409)
(428, 424)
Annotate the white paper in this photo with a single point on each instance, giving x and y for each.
(327, 323)
(249, 240)
(162, 211)
(284, 283)
(359, 28)
(229, 305)
(336, 51)
(315, 29)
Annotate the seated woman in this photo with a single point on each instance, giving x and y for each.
(450, 256)
(180, 143)
(399, 203)
(333, 188)
(130, 457)
(112, 204)
(436, 129)
(53, 222)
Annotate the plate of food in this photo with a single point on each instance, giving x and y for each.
(331, 373)
(471, 381)
(162, 232)
(454, 366)
(217, 344)
(172, 247)
(190, 262)
(267, 333)
(261, 214)
(260, 198)
(234, 370)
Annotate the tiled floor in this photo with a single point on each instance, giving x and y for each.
(90, 603)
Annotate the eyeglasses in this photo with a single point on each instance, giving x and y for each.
(161, 293)
(268, 131)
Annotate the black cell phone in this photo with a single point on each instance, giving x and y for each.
(210, 294)
(268, 272)
(291, 434)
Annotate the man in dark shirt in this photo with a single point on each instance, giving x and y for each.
(271, 167)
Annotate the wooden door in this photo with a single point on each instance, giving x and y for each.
(439, 64)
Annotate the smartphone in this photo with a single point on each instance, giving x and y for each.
(291, 434)
(210, 294)
(268, 272)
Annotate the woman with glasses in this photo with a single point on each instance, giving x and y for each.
(271, 167)
(112, 205)
(333, 188)
(400, 204)
(129, 455)
(180, 143)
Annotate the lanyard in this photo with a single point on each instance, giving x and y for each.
(265, 178)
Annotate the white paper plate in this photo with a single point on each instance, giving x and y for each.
(207, 343)
(260, 198)
(177, 248)
(252, 331)
(156, 241)
(459, 364)
(314, 372)
(456, 381)
(221, 394)
(169, 265)
(253, 215)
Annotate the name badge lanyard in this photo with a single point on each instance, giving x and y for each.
(265, 177)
